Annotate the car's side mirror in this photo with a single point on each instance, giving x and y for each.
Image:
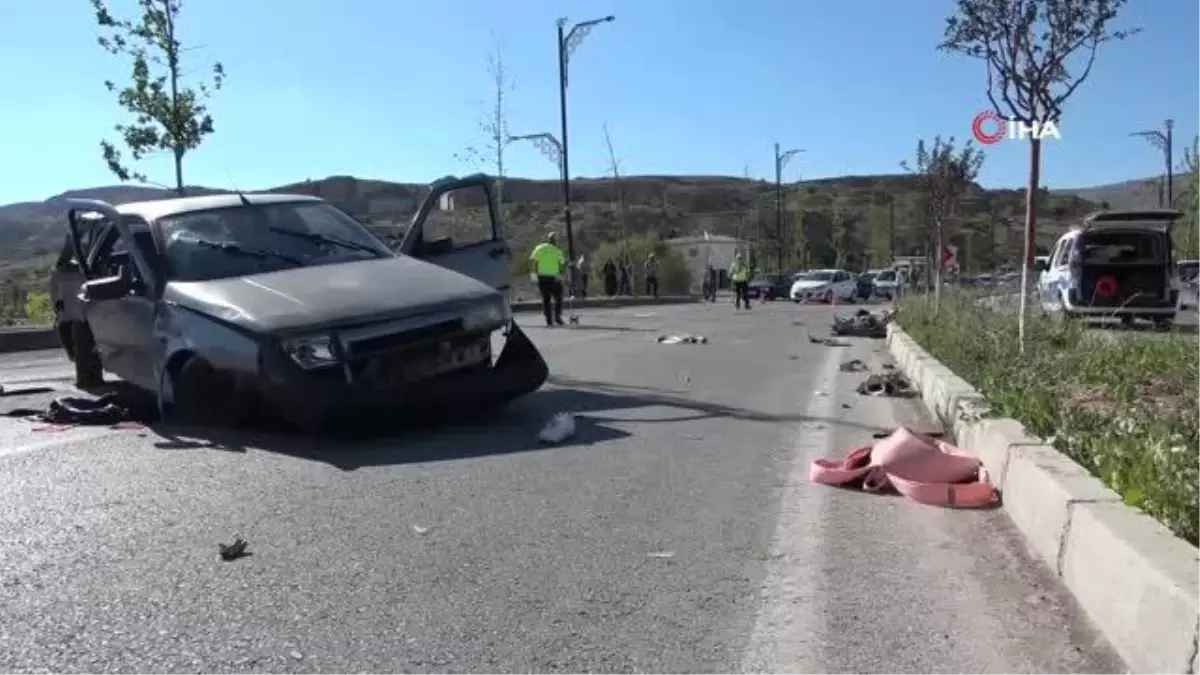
(107, 288)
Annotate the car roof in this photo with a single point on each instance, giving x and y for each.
(160, 208)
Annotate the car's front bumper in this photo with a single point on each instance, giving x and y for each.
(310, 398)
(810, 294)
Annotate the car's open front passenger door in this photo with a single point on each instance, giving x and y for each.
(458, 227)
(120, 291)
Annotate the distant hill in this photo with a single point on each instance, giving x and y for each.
(847, 220)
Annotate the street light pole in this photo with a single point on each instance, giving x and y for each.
(1164, 141)
(568, 41)
(781, 160)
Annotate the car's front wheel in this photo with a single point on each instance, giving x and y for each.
(206, 396)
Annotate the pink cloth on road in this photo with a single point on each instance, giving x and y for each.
(921, 468)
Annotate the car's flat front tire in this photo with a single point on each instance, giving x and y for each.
(206, 396)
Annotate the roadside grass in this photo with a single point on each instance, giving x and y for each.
(1127, 410)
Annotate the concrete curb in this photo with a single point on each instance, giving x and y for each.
(31, 338)
(1135, 579)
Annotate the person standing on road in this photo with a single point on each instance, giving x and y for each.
(652, 276)
(583, 268)
(739, 274)
(549, 262)
(626, 284)
(610, 277)
(710, 284)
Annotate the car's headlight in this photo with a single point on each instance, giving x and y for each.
(487, 315)
(311, 352)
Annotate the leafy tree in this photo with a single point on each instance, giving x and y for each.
(493, 124)
(945, 173)
(1026, 45)
(167, 115)
(673, 274)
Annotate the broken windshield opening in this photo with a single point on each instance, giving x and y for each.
(263, 238)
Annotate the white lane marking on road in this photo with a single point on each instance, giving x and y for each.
(16, 444)
(788, 622)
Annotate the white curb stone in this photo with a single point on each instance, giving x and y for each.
(1136, 580)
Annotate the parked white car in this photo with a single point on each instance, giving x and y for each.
(1118, 263)
(824, 286)
(888, 284)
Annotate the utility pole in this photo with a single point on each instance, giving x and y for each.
(892, 226)
(1164, 141)
(568, 41)
(781, 160)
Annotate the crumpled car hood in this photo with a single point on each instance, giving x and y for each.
(326, 295)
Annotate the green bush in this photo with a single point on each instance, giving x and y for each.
(674, 278)
(1123, 405)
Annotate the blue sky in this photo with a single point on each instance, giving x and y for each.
(394, 89)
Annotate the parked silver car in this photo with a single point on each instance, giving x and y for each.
(221, 303)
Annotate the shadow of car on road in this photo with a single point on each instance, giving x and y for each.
(511, 429)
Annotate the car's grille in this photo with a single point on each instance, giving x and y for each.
(429, 359)
(403, 340)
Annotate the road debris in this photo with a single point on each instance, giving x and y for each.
(890, 383)
(862, 324)
(231, 552)
(919, 467)
(558, 429)
(419, 529)
(662, 554)
(828, 342)
(853, 366)
(682, 339)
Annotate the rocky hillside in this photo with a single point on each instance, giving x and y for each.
(851, 220)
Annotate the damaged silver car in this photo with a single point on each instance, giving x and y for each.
(221, 304)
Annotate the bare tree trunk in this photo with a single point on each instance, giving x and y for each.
(939, 242)
(1035, 162)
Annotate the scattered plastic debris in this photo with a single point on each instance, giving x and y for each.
(231, 552)
(296, 655)
(889, 383)
(682, 339)
(828, 342)
(862, 324)
(419, 529)
(853, 366)
(924, 469)
(662, 554)
(558, 429)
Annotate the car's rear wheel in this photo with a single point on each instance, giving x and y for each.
(1163, 322)
(203, 395)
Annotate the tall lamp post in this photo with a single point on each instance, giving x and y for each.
(1163, 141)
(781, 160)
(568, 41)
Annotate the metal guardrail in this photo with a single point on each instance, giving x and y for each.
(32, 338)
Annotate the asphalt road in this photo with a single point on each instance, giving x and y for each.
(676, 533)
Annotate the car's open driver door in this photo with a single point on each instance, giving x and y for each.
(458, 227)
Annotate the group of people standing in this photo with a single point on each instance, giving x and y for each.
(549, 266)
(618, 276)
